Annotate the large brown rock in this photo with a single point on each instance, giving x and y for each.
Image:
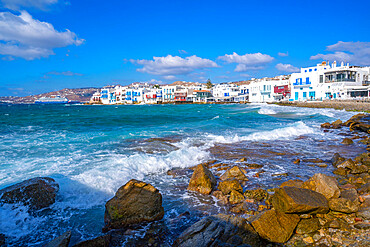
(293, 183)
(347, 141)
(134, 203)
(228, 185)
(234, 172)
(275, 226)
(298, 200)
(37, 193)
(236, 197)
(344, 205)
(202, 180)
(323, 184)
(348, 164)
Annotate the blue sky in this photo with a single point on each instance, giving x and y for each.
(47, 45)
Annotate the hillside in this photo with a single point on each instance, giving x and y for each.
(76, 94)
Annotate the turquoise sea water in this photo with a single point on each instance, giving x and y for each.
(93, 150)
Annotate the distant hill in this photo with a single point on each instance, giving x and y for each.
(76, 94)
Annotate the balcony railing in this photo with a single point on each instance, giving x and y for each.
(303, 83)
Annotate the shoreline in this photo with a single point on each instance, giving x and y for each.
(348, 105)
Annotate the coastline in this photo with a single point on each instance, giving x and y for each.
(348, 105)
(258, 160)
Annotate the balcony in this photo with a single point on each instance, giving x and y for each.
(302, 83)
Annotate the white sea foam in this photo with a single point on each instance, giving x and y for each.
(266, 111)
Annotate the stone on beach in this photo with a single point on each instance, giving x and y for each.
(323, 184)
(234, 172)
(347, 141)
(228, 185)
(202, 180)
(336, 159)
(293, 183)
(219, 230)
(236, 197)
(275, 226)
(37, 193)
(134, 203)
(298, 200)
(308, 225)
(256, 194)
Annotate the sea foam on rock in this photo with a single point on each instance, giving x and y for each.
(37, 193)
(134, 203)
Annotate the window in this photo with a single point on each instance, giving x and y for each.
(321, 78)
(310, 70)
(304, 95)
(312, 94)
(296, 95)
(305, 71)
(315, 69)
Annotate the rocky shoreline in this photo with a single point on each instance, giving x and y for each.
(348, 105)
(319, 211)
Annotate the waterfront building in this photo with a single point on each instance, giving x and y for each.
(202, 96)
(267, 89)
(225, 92)
(325, 81)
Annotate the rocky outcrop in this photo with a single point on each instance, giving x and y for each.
(202, 180)
(343, 205)
(275, 226)
(134, 203)
(334, 125)
(37, 193)
(293, 183)
(323, 184)
(234, 172)
(256, 194)
(219, 230)
(298, 200)
(228, 185)
(61, 241)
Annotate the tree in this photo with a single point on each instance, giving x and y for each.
(209, 84)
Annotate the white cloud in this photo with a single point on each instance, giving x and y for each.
(282, 54)
(19, 4)
(22, 36)
(253, 61)
(287, 68)
(170, 66)
(64, 73)
(354, 52)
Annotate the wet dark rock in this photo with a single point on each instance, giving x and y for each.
(61, 241)
(323, 184)
(37, 193)
(202, 180)
(343, 205)
(2, 240)
(308, 226)
(102, 241)
(293, 183)
(337, 124)
(219, 230)
(134, 203)
(275, 226)
(228, 185)
(337, 159)
(254, 166)
(326, 125)
(298, 200)
(347, 141)
(234, 172)
(256, 194)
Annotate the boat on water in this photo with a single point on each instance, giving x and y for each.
(52, 100)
